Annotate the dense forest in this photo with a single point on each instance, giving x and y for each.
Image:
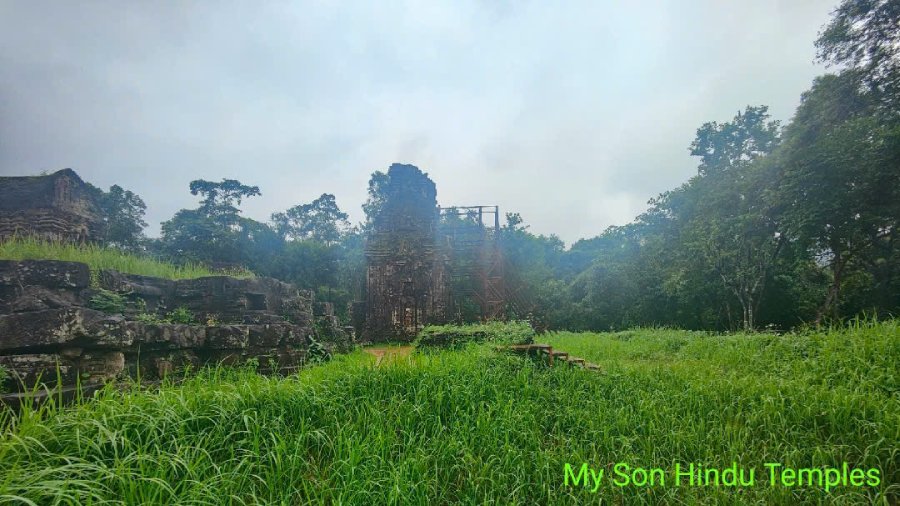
(783, 224)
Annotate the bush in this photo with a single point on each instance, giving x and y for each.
(3, 376)
(181, 315)
(108, 302)
(495, 332)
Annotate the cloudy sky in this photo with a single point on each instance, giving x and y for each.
(572, 113)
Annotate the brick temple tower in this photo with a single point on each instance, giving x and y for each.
(406, 287)
(56, 207)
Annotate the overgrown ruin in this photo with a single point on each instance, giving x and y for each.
(427, 264)
(58, 320)
(57, 207)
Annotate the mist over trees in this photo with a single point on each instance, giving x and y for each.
(781, 225)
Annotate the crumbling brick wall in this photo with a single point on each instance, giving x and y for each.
(58, 207)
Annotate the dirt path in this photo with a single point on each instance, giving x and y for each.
(391, 352)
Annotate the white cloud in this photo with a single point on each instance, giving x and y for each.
(573, 114)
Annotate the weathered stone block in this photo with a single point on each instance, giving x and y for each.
(297, 336)
(166, 335)
(267, 335)
(37, 298)
(28, 370)
(40, 328)
(105, 330)
(68, 367)
(227, 337)
(45, 273)
(156, 293)
(154, 365)
(100, 365)
(53, 327)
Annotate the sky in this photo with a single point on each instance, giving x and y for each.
(572, 113)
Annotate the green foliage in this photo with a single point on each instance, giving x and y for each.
(123, 217)
(181, 315)
(150, 318)
(98, 257)
(728, 146)
(316, 352)
(308, 264)
(107, 301)
(215, 232)
(4, 375)
(478, 427)
(220, 200)
(493, 332)
(321, 220)
(863, 36)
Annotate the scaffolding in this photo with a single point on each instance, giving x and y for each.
(471, 240)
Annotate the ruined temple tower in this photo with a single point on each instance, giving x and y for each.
(56, 207)
(405, 279)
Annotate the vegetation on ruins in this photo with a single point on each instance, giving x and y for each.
(98, 257)
(458, 336)
(477, 426)
(108, 302)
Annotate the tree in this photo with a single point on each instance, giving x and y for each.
(321, 220)
(214, 232)
(378, 184)
(864, 35)
(220, 200)
(727, 146)
(841, 183)
(733, 229)
(123, 217)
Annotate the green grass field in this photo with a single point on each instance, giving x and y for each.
(97, 258)
(479, 427)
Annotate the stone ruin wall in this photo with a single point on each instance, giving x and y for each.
(46, 320)
(57, 207)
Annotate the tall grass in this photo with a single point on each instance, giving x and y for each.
(98, 257)
(477, 427)
(494, 332)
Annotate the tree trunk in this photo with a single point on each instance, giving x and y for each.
(830, 306)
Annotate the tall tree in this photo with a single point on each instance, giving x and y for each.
(123, 217)
(864, 35)
(733, 228)
(841, 183)
(220, 200)
(731, 145)
(320, 220)
(214, 232)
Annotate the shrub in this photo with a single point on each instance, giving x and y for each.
(317, 353)
(108, 302)
(149, 318)
(495, 332)
(181, 315)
